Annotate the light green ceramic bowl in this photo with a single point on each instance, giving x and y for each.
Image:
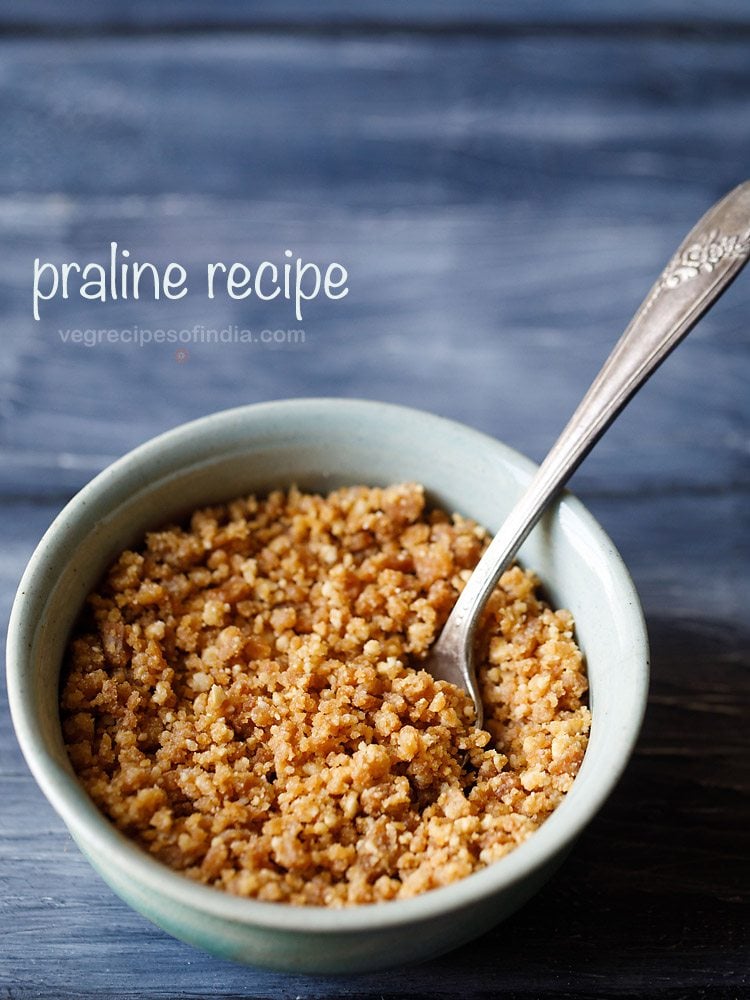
(320, 444)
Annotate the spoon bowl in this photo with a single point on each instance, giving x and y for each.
(320, 444)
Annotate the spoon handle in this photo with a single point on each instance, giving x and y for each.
(706, 262)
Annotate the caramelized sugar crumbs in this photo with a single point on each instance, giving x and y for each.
(244, 699)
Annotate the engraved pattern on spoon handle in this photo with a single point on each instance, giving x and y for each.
(705, 264)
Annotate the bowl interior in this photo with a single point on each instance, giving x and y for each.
(321, 444)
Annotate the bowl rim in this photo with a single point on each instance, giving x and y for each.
(91, 828)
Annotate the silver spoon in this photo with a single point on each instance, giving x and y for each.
(704, 265)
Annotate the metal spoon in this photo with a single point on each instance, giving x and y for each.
(704, 265)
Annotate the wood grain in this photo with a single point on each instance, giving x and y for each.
(503, 200)
(549, 16)
(490, 227)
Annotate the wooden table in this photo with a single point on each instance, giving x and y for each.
(503, 184)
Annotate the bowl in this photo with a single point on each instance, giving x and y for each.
(320, 444)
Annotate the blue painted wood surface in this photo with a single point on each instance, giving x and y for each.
(143, 16)
(502, 200)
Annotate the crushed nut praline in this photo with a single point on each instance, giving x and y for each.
(243, 697)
